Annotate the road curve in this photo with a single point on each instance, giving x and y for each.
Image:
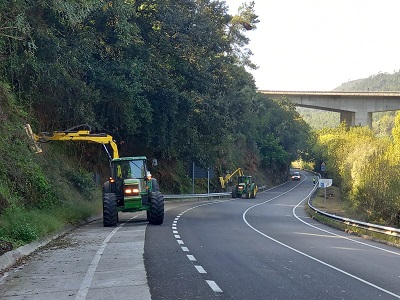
(264, 248)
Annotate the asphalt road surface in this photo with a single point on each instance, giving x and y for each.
(263, 248)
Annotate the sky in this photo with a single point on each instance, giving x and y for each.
(316, 45)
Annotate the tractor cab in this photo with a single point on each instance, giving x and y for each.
(130, 181)
(244, 179)
(127, 167)
(131, 189)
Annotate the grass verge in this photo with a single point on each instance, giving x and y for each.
(333, 204)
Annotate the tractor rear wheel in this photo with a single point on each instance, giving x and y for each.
(254, 193)
(156, 214)
(110, 212)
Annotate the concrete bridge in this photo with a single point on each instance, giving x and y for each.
(355, 108)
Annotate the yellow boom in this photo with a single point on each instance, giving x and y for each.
(79, 135)
(224, 180)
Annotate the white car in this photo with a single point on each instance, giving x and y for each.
(296, 176)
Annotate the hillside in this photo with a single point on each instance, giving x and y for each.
(377, 82)
(39, 193)
(170, 85)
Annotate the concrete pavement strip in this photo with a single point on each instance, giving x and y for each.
(12, 259)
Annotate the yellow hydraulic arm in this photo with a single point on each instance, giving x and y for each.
(69, 135)
(224, 180)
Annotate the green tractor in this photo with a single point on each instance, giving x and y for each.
(131, 189)
(245, 186)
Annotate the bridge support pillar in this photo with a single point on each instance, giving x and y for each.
(358, 118)
(348, 117)
(363, 118)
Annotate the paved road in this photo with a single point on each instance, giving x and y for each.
(264, 248)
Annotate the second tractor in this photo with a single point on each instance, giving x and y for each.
(243, 186)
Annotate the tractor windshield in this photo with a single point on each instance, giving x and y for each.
(130, 169)
(244, 179)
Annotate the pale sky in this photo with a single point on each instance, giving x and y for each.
(316, 45)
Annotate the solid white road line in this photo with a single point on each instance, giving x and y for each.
(305, 254)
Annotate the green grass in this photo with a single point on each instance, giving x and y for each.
(21, 226)
(334, 204)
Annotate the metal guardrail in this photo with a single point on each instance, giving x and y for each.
(386, 230)
(182, 197)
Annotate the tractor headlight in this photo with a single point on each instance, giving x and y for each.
(131, 190)
(240, 187)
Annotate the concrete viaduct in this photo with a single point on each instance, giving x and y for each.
(355, 108)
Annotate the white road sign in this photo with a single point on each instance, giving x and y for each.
(324, 183)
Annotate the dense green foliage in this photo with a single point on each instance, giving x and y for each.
(167, 79)
(38, 194)
(366, 167)
(364, 163)
(319, 119)
(166, 75)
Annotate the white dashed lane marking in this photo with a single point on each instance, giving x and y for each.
(191, 257)
(199, 268)
(214, 286)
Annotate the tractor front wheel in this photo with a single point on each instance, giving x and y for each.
(156, 214)
(110, 212)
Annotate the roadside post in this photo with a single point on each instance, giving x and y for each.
(324, 183)
(323, 169)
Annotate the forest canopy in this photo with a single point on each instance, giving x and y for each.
(168, 79)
